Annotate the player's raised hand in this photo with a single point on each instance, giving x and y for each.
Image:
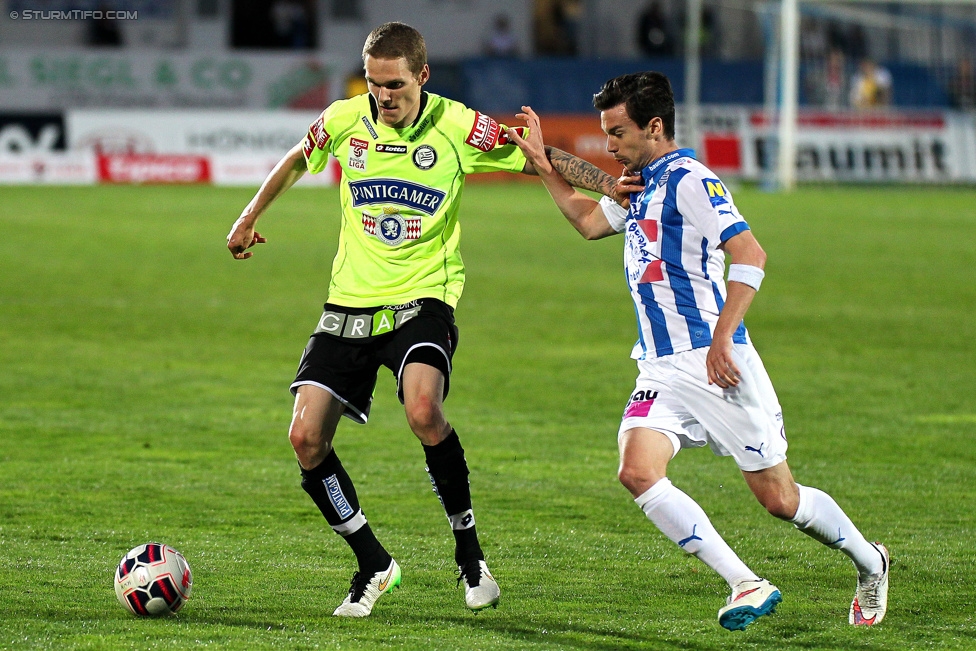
(242, 236)
(532, 145)
(627, 184)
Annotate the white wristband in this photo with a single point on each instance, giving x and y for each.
(747, 275)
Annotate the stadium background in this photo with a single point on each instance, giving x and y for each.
(143, 372)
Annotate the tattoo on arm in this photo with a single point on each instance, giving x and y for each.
(579, 173)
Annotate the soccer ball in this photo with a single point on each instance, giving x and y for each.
(153, 579)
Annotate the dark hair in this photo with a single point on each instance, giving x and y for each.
(647, 95)
(395, 40)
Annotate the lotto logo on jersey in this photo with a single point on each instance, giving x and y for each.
(357, 153)
(640, 403)
(716, 191)
(484, 133)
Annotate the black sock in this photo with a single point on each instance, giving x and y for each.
(333, 492)
(448, 472)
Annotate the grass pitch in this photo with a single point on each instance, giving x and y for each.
(143, 396)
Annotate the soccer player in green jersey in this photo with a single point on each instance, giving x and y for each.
(396, 280)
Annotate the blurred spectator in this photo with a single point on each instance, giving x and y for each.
(836, 37)
(356, 83)
(653, 37)
(557, 27)
(857, 43)
(708, 36)
(103, 32)
(827, 84)
(501, 42)
(835, 80)
(290, 23)
(871, 86)
(567, 15)
(273, 24)
(962, 86)
(813, 40)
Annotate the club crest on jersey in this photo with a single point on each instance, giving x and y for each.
(424, 157)
(369, 127)
(484, 133)
(391, 227)
(357, 153)
(717, 193)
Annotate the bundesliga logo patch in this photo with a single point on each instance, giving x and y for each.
(357, 153)
(392, 228)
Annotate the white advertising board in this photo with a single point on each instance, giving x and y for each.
(247, 133)
(41, 79)
(934, 147)
(49, 168)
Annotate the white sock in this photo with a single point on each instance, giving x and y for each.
(681, 519)
(819, 517)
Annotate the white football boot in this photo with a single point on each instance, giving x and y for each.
(871, 597)
(749, 601)
(480, 589)
(366, 589)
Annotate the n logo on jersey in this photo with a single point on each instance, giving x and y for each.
(716, 191)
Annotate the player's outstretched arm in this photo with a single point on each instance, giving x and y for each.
(242, 235)
(743, 249)
(581, 211)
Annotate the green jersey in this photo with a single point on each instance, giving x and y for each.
(400, 194)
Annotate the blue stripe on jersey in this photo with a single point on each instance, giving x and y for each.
(640, 330)
(672, 227)
(659, 327)
(734, 229)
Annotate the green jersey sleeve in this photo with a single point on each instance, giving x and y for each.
(486, 147)
(319, 141)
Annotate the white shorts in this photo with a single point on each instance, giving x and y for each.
(745, 422)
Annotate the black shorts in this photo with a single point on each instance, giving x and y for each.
(344, 354)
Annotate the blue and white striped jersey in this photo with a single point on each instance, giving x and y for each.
(675, 272)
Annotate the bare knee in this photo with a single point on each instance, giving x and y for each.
(310, 446)
(426, 419)
(637, 478)
(781, 502)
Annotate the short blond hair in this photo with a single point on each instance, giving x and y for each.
(396, 40)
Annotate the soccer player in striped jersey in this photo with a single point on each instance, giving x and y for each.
(700, 380)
